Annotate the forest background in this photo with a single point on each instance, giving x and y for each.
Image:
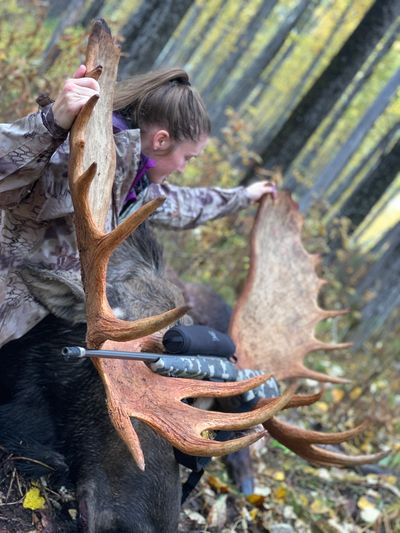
(303, 92)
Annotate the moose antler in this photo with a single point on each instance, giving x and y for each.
(92, 203)
(303, 442)
(274, 321)
(132, 389)
(157, 400)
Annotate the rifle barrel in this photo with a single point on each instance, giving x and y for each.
(78, 352)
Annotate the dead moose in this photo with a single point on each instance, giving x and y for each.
(113, 425)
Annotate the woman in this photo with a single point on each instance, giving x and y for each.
(160, 123)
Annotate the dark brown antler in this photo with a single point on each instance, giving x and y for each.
(303, 442)
(274, 323)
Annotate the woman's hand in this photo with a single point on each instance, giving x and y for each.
(256, 190)
(73, 96)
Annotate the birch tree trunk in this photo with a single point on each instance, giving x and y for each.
(329, 87)
(339, 161)
(341, 107)
(372, 187)
(240, 91)
(381, 281)
(147, 32)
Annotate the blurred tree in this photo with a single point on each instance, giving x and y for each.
(71, 16)
(239, 91)
(353, 141)
(196, 26)
(325, 92)
(371, 188)
(246, 37)
(332, 120)
(367, 163)
(174, 46)
(264, 138)
(378, 288)
(57, 7)
(92, 12)
(147, 31)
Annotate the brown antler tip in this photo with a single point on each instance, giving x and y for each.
(95, 73)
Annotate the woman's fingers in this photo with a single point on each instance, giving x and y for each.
(256, 190)
(80, 72)
(73, 96)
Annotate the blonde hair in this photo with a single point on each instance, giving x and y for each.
(164, 98)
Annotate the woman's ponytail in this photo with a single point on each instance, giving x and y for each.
(164, 98)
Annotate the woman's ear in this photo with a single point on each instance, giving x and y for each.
(161, 140)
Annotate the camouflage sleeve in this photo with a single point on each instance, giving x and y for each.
(188, 207)
(26, 147)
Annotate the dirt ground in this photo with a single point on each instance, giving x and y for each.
(290, 496)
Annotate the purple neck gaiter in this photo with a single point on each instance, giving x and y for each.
(120, 124)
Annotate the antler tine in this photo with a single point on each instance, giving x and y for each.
(214, 389)
(298, 400)
(302, 441)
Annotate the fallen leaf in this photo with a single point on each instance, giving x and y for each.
(370, 515)
(323, 407)
(218, 513)
(280, 493)
(318, 506)
(217, 484)
(255, 499)
(365, 503)
(195, 517)
(253, 514)
(33, 499)
(355, 393)
(337, 395)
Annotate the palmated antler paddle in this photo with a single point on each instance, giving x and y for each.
(273, 324)
(132, 389)
(157, 400)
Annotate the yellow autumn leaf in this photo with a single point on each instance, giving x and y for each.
(392, 480)
(33, 499)
(322, 406)
(217, 484)
(355, 393)
(303, 500)
(318, 506)
(253, 514)
(279, 476)
(366, 447)
(280, 493)
(337, 395)
(365, 503)
(255, 499)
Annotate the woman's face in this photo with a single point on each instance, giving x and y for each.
(169, 156)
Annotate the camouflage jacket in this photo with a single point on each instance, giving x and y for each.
(36, 221)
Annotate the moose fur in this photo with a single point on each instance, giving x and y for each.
(55, 412)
